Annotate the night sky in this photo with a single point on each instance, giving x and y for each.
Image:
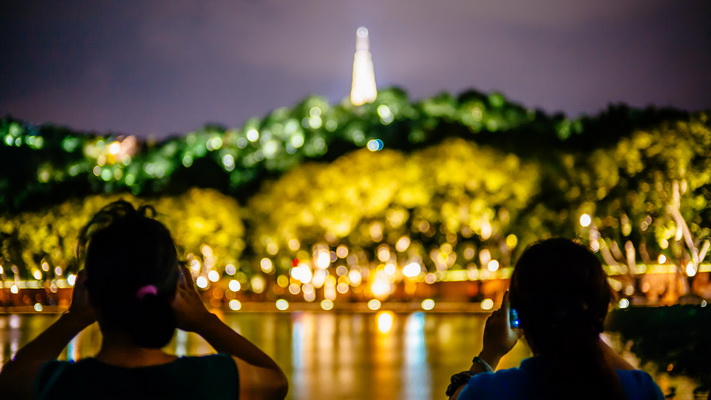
(167, 67)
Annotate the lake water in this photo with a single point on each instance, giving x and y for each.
(359, 356)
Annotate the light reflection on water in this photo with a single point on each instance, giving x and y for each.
(374, 356)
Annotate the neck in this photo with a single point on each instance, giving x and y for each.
(117, 349)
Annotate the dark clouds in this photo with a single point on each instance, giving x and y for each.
(168, 67)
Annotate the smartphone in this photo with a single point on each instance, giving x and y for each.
(513, 317)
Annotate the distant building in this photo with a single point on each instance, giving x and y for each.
(363, 88)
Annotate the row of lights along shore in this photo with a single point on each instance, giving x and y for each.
(410, 270)
(372, 305)
(428, 304)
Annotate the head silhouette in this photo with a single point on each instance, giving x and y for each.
(561, 293)
(132, 274)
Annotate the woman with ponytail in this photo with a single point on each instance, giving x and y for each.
(132, 284)
(561, 296)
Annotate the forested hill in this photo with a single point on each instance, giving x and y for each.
(439, 180)
(45, 164)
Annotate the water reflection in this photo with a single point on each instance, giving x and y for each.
(416, 376)
(374, 356)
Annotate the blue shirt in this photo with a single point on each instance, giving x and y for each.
(514, 384)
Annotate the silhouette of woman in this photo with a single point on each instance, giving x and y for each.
(561, 295)
(134, 287)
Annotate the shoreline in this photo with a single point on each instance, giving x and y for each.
(350, 308)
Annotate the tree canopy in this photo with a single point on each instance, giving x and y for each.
(447, 183)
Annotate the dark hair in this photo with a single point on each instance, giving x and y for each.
(124, 250)
(562, 296)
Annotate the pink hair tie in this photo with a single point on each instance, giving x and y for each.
(146, 290)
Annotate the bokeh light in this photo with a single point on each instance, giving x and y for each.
(235, 305)
(282, 305)
(327, 305)
(585, 220)
(374, 304)
(427, 304)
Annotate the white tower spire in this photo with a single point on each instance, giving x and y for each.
(363, 88)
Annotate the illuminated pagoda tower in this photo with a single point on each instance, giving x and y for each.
(363, 88)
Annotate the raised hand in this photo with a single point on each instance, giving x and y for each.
(188, 306)
(81, 308)
(499, 338)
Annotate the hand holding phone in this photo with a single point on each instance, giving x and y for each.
(499, 335)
